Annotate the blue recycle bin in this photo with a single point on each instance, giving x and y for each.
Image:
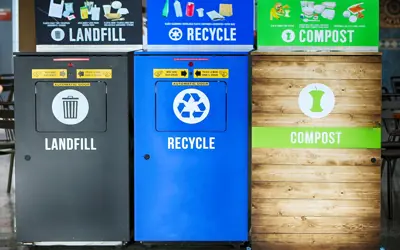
(191, 147)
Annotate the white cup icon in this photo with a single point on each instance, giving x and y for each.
(200, 12)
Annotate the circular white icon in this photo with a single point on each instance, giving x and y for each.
(57, 34)
(316, 100)
(175, 34)
(191, 106)
(70, 107)
(288, 36)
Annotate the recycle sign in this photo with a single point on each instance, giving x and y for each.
(191, 106)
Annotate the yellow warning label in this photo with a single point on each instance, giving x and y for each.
(93, 73)
(211, 73)
(49, 74)
(72, 84)
(170, 73)
(190, 83)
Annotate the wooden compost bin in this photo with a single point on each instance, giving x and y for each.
(316, 198)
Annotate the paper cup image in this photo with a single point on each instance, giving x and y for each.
(308, 11)
(353, 19)
(200, 12)
(319, 9)
(107, 9)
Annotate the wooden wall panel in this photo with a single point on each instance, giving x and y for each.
(307, 199)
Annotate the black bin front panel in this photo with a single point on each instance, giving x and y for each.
(72, 177)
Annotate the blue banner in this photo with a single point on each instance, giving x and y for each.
(205, 23)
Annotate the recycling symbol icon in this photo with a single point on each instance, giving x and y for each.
(191, 106)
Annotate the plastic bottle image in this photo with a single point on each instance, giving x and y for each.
(166, 9)
(190, 9)
(178, 8)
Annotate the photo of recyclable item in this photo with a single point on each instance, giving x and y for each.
(225, 9)
(178, 9)
(311, 11)
(165, 10)
(354, 12)
(115, 11)
(279, 10)
(189, 9)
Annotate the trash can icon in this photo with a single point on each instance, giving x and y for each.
(70, 107)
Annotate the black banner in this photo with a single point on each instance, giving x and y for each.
(95, 22)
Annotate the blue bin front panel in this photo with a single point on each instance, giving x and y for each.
(168, 102)
(194, 184)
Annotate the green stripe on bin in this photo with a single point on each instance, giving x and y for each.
(309, 137)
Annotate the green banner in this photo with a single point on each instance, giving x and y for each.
(299, 137)
(342, 25)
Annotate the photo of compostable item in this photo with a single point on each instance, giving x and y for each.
(191, 8)
(311, 12)
(354, 12)
(279, 10)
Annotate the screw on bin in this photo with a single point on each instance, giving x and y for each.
(27, 157)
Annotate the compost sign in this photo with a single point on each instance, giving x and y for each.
(81, 22)
(318, 23)
(200, 22)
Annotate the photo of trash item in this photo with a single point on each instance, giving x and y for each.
(178, 8)
(311, 11)
(116, 5)
(165, 10)
(279, 10)
(200, 12)
(189, 9)
(215, 16)
(107, 9)
(84, 13)
(55, 9)
(123, 11)
(225, 9)
(69, 8)
(89, 6)
(95, 13)
(354, 12)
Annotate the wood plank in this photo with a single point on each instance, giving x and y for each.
(319, 58)
(327, 208)
(289, 105)
(294, 173)
(262, 224)
(287, 87)
(319, 191)
(316, 70)
(316, 157)
(301, 120)
(367, 241)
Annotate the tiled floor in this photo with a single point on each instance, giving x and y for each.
(390, 230)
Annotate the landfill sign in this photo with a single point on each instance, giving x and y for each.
(294, 23)
(70, 107)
